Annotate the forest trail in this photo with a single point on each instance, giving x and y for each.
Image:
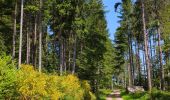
(115, 95)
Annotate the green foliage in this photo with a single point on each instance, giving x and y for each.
(2, 45)
(6, 25)
(7, 77)
(154, 95)
(31, 8)
(160, 95)
(137, 96)
(103, 93)
(88, 95)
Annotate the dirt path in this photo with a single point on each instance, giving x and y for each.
(115, 95)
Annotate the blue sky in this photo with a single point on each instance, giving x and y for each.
(111, 16)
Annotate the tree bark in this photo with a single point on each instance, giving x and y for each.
(35, 43)
(61, 56)
(14, 31)
(69, 60)
(130, 63)
(28, 47)
(146, 48)
(130, 75)
(20, 38)
(64, 55)
(74, 55)
(40, 39)
(138, 63)
(160, 60)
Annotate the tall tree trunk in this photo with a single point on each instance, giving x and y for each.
(20, 38)
(130, 63)
(40, 39)
(64, 55)
(35, 43)
(160, 59)
(150, 52)
(138, 55)
(14, 31)
(144, 69)
(61, 56)
(138, 63)
(74, 55)
(125, 73)
(154, 55)
(146, 48)
(130, 75)
(28, 47)
(28, 42)
(151, 55)
(69, 60)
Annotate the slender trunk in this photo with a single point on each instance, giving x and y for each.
(74, 55)
(160, 59)
(149, 52)
(130, 75)
(146, 49)
(64, 55)
(130, 64)
(69, 54)
(144, 70)
(137, 63)
(69, 60)
(138, 60)
(151, 55)
(28, 47)
(20, 38)
(14, 31)
(35, 43)
(125, 73)
(154, 55)
(40, 39)
(61, 56)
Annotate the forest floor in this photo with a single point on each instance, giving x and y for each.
(115, 95)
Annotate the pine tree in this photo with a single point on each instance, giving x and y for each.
(20, 39)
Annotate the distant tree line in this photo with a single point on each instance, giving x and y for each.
(142, 43)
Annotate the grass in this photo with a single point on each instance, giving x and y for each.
(103, 93)
(134, 96)
(154, 95)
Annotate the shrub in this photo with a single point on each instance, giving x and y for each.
(31, 84)
(7, 77)
(103, 93)
(88, 95)
(27, 83)
(53, 87)
(160, 95)
(145, 97)
(70, 86)
(34, 85)
(135, 96)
